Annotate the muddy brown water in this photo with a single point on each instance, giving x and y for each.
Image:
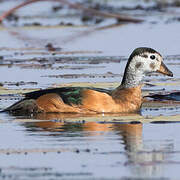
(66, 146)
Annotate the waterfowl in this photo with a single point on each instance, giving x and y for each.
(125, 98)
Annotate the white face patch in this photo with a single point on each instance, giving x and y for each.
(141, 62)
(146, 63)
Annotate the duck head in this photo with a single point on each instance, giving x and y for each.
(143, 61)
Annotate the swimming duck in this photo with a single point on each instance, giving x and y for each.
(125, 98)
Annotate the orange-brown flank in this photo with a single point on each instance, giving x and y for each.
(121, 100)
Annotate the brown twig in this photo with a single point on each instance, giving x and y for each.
(74, 6)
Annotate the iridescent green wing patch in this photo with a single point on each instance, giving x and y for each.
(72, 96)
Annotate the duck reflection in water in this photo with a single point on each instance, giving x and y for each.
(142, 159)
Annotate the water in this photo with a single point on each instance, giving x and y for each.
(66, 146)
(89, 150)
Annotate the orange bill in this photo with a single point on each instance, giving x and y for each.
(164, 70)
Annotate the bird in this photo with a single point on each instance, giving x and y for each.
(126, 98)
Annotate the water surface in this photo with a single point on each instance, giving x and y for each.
(58, 146)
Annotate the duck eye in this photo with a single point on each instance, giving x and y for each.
(152, 57)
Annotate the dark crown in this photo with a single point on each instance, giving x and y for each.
(142, 50)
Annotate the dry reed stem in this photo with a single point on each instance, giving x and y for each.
(74, 6)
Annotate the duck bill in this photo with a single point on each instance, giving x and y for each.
(164, 70)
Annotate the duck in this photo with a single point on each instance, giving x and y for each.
(126, 98)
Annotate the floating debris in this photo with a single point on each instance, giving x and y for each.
(50, 47)
(175, 96)
(71, 76)
(20, 83)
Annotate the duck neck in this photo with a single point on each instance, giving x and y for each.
(131, 78)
